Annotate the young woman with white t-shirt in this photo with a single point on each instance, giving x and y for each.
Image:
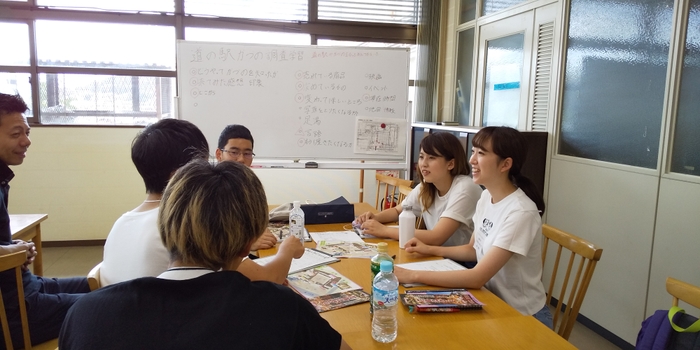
(508, 228)
(445, 197)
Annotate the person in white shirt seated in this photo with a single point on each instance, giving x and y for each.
(209, 217)
(134, 248)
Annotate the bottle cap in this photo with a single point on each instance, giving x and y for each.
(296, 204)
(386, 266)
(382, 247)
(407, 207)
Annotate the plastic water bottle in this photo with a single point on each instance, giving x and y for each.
(385, 298)
(407, 225)
(296, 221)
(382, 255)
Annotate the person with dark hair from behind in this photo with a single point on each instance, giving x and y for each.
(134, 248)
(47, 299)
(201, 302)
(236, 145)
(507, 239)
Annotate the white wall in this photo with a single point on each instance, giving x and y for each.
(614, 209)
(676, 242)
(84, 179)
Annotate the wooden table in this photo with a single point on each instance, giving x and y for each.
(27, 227)
(497, 326)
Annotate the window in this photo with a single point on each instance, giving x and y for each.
(614, 84)
(246, 36)
(283, 10)
(381, 11)
(113, 62)
(685, 158)
(105, 45)
(91, 99)
(15, 46)
(113, 5)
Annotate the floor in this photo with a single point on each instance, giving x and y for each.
(77, 261)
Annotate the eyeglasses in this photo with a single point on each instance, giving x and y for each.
(235, 153)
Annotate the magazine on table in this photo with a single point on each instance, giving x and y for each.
(320, 281)
(281, 230)
(448, 300)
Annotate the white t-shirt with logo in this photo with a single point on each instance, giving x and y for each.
(513, 224)
(457, 204)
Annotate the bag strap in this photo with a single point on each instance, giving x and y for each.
(693, 328)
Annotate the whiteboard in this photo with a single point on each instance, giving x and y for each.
(299, 102)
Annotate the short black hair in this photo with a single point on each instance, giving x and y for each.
(235, 131)
(163, 147)
(12, 104)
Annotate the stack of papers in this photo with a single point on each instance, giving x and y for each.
(343, 244)
(311, 258)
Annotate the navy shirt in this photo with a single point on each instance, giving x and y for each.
(7, 278)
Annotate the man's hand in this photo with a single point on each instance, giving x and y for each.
(292, 246)
(266, 241)
(29, 248)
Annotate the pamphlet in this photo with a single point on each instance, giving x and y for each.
(319, 281)
(339, 300)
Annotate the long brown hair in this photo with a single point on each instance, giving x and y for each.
(510, 143)
(446, 145)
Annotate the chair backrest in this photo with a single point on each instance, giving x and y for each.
(93, 277)
(680, 290)
(388, 189)
(7, 262)
(587, 255)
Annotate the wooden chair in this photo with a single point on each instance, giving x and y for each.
(391, 186)
(403, 192)
(15, 261)
(588, 255)
(680, 290)
(93, 277)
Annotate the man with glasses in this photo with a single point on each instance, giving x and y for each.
(236, 145)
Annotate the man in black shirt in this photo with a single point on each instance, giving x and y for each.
(47, 299)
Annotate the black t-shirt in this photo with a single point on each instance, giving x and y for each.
(222, 310)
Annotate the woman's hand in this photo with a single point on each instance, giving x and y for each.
(362, 218)
(404, 275)
(375, 228)
(414, 245)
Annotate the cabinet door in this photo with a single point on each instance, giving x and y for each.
(504, 71)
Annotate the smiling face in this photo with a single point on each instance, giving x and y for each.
(434, 168)
(487, 167)
(14, 138)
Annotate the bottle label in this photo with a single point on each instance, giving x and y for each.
(383, 299)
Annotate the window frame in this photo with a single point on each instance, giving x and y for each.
(28, 12)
